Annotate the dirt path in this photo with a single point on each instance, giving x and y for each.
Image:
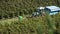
(9, 20)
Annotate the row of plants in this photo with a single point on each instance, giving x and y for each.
(39, 25)
(11, 8)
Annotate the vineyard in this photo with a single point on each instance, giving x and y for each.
(11, 9)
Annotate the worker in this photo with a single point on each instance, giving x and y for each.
(35, 14)
(20, 18)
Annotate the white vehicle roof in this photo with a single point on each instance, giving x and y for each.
(53, 8)
(41, 8)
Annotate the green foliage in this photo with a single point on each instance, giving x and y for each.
(37, 25)
(11, 8)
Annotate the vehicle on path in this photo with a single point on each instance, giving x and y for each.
(52, 10)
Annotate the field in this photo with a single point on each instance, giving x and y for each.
(10, 24)
(38, 25)
(13, 8)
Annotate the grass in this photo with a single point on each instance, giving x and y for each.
(9, 20)
(37, 25)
